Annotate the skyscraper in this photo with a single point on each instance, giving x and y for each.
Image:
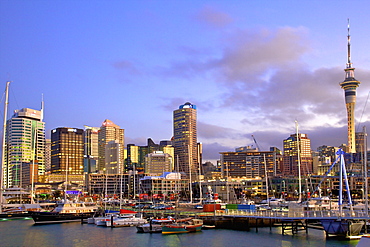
(67, 151)
(349, 85)
(297, 151)
(185, 139)
(113, 159)
(110, 132)
(24, 144)
(91, 148)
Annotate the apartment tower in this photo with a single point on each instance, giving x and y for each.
(185, 140)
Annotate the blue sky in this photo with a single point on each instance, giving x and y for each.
(251, 67)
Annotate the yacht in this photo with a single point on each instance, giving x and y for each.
(65, 211)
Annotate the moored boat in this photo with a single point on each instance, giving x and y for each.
(65, 212)
(125, 220)
(183, 226)
(154, 225)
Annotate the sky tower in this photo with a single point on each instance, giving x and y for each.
(349, 85)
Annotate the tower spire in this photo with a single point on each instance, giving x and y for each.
(349, 85)
(42, 107)
(349, 64)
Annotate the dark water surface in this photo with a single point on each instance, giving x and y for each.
(25, 233)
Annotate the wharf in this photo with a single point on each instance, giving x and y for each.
(288, 221)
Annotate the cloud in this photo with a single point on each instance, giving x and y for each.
(265, 82)
(211, 151)
(213, 17)
(127, 67)
(210, 131)
(250, 55)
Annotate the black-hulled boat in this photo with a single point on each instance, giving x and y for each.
(65, 212)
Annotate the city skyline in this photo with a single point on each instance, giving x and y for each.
(250, 69)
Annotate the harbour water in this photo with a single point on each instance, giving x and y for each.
(25, 233)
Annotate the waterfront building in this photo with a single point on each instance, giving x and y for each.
(113, 184)
(74, 180)
(349, 86)
(24, 143)
(67, 151)
(248, 163)
(91, 148)
(169, 184)
(297, 151)
(109, 132)
(158, 163)
(185, 140)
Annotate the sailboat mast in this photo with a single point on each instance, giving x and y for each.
(267, 180)
(299, 163)
(3, 145)
(190, 170)
(65, 188)
(33, 168)
(365, 172)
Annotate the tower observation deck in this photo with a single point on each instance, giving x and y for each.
(349, 85)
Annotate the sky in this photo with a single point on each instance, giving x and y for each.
(250, 67)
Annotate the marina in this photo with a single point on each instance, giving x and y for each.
(208, 183)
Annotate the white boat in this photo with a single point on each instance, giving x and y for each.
(126, 220)
(102, 221)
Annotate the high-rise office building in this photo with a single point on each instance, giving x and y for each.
(113, 158)
(109, 132)
(24, 144)
(91, 149)
(185, 140)
(157, 163)
(248, 163)
(67, 151)
(349, 85)
(297, 153)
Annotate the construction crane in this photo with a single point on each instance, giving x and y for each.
(254, 139)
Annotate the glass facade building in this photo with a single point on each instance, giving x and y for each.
(67, 151)
(24, 143)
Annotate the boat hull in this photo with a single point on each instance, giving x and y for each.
(126, 222)
(51, 218)
(174, 229)
(14, 215)
(146, 228)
